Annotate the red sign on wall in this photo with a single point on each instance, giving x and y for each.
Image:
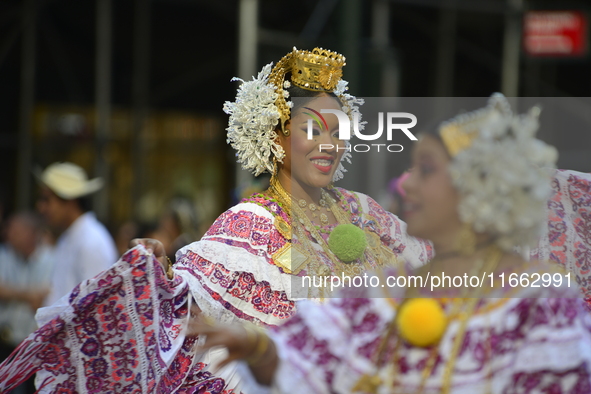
(555, 33)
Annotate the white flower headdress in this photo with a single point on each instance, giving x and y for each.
(263, 104)
(498, 167)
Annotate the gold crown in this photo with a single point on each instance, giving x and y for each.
(319, 70)
(456, 138)
(459, 132)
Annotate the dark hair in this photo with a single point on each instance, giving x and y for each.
(296, 91)
(432, 130)
(84, 202)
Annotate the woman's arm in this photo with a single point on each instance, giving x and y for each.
(248, 343)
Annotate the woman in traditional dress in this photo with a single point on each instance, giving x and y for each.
(476, 190)
(124, 330)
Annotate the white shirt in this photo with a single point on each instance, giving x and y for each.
(17, 317)
(82, 251)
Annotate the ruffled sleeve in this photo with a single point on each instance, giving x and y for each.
(231, 272)
(123, 329)
(554, 353)
(327, 348)
(567, 238)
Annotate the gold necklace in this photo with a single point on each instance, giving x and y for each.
(323, 204)
(302, 223)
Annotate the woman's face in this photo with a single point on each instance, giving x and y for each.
(306, 162)
(431, 200)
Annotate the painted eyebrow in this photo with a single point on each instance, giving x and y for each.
(316, 116)
(304, 123)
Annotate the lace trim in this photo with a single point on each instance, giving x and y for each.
(218, 310)
(239, 260)
(566, 239)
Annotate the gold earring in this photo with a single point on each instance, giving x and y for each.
(275, 169)
(466, 240)
(286, 132)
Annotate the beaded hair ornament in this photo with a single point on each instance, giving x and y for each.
(263, 104)
(498, 169)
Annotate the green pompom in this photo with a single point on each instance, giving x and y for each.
(347, 242)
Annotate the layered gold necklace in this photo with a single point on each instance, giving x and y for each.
(291, 255)
(316, 210)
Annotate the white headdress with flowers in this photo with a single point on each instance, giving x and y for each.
(262, 106)
(500, 170)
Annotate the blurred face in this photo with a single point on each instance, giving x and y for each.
(22, 236)
(304, 163)
(431, 200)
(54, 210)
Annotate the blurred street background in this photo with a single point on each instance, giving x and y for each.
(132, 90)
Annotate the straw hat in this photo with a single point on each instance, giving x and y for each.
(68, 181)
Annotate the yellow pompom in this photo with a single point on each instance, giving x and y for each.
(421, 321)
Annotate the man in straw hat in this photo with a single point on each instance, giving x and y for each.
(84, 246)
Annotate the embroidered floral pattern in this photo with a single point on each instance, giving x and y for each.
(110, 333)
(504, 338)
(568, 238)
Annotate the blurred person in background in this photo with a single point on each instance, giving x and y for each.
(83, 247)
(127, 231)
(25, 271)
(178, 226)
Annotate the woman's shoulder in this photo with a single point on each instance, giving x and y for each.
(252, 219)
(369, 211)
(350, 195)
(570, 189)
(359, 201)
(571, 176)
(257, 205)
